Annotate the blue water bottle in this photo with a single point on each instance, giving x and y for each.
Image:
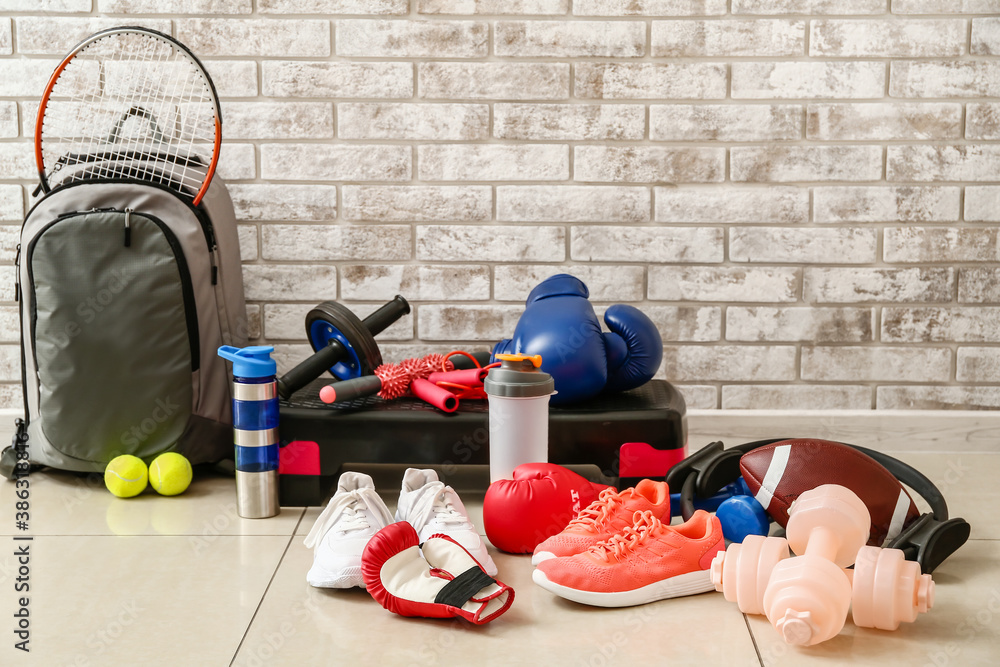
(255, 429)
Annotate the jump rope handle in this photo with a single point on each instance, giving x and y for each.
(340, 392)
(348, 390)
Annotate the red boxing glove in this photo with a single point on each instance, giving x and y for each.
(539, 502)
(438, 579)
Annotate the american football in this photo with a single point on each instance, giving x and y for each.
(777, 473)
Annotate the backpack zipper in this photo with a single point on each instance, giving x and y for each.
(208, 230)
(70, 214)
(22, 426)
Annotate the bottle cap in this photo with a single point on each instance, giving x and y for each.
(519, 376)
(250, 362)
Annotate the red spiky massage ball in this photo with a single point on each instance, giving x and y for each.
(395, 380)
(423, 367)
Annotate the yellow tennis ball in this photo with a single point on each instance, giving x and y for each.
(126, 476)
(170, 474)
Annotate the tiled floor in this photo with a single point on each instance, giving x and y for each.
(185, 581)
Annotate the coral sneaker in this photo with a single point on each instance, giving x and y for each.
(649, 561)
(611, 513)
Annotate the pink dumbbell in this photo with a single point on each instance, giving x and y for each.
(888, 589)
(807, 597)
(741, 572)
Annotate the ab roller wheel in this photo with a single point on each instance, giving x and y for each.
(344, 345)
(330, 323)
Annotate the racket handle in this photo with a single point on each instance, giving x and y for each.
(470, 377)
(332, 354)
(338, 392)
(433, 394)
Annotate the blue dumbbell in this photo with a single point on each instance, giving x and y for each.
(741, 515)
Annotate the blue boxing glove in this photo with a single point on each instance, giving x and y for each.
(560, 324)
(634, 348)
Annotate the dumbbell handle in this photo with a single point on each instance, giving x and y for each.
(318, 363)
(823, 542)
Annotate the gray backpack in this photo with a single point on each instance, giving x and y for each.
(126, 292)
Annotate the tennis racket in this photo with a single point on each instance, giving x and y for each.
(130, 103)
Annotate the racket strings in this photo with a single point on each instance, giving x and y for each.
(146, 93)
(187, 125)
(130, 105)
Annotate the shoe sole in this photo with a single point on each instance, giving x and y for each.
(541, 556)
(348, 578)
(690, 583)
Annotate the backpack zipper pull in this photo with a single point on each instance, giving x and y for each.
(17, 273)
(128, 227)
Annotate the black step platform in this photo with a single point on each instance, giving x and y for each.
(319, 439)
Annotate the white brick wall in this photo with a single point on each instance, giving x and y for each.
(804, 195)
(763, 37)
(807, 79)
(650, 81)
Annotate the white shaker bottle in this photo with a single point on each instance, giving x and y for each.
(519, 413)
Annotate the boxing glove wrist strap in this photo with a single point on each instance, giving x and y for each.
(464, 587)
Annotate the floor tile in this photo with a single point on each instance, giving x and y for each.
(147, 600)
(118, 581)
(963, 627)
(968, 483)
(308, 519)
(64, 503)
(296, 623)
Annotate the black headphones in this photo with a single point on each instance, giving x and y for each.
(928, 540)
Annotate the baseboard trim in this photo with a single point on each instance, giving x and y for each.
(882, 430)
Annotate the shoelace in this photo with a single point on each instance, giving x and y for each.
(350, 507)
(435, 503)
(622, 544)
(597, 512)
(354, 518)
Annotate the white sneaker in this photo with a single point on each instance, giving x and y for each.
(353, 515)
(431, 507)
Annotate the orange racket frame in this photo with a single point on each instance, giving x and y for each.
(39, 119)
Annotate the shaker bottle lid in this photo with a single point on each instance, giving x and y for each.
(250, 362)
(518, 376)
